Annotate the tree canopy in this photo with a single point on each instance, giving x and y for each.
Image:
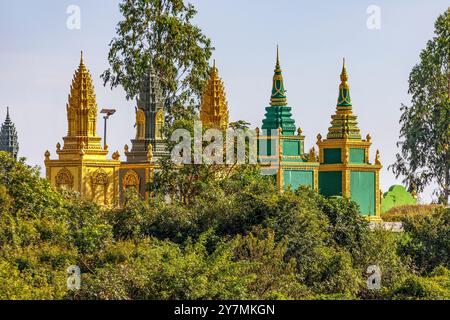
(425, 124)
(160, 31)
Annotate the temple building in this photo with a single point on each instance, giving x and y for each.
(8, 137)
(341, 167)
(345, 169)
(82, 163)
(281, 146)
(214, 105)
(148, 146)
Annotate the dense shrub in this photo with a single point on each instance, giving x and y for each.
(239, 238)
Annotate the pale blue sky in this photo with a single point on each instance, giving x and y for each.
(39, 55)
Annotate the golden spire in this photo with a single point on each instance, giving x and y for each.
(214, 106)
(344, 76)
(82, 115)
(82, 105)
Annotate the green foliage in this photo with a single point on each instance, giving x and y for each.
(396, 196)
(434, 287)
(161, 31)
(428, 242)
(31, 194)
(425, 125)
(238, 239)
(162, 270)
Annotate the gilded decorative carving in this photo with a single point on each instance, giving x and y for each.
(346, 156)
(150, 152)
(131, 179)
(140, 124)
(64, 179)
(159, 124)
(100, 179)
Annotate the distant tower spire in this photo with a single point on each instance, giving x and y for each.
(150, 117)
(150, 101)
(8, 137)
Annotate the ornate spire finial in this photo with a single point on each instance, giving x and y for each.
(8, 119)
(344, 89)
(81, 58)
(377, 157)
(277, 65)
(214, 70)
(319, 138)
(116, 156)
(344, 124)
(344, 75)
(278, 97)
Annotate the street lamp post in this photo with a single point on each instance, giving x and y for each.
(107, 113)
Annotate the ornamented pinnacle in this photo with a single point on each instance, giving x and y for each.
(344, 89)
(214, 107)
(343, 123)
(278, 97)
(278, 114)
(82, 118)
(82, 105)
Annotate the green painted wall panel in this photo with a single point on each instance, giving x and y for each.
(362, 191)
(291, 147)
(357, 155)
(296, 178)
(332, 155)
(330, 183)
